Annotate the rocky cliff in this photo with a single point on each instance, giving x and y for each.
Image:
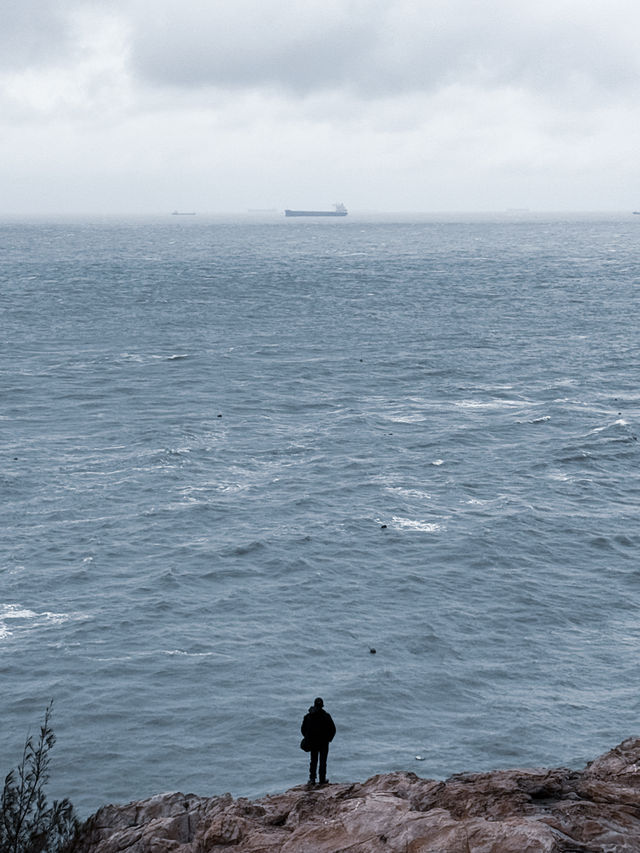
(596, 810)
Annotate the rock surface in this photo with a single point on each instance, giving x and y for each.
(596, 810)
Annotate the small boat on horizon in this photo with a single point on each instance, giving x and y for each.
(183, 213)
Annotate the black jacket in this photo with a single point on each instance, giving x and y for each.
(318, 728)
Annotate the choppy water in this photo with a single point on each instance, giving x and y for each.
(238, 454)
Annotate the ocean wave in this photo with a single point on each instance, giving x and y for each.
(400, 523)
(183, 653)
(411, 418)
(14, 619)
(492, 404)
(561, 476)
(499, 499)
(243, 550)
(616, 431)
(408, 493)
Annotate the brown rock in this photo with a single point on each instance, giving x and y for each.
(506, 811)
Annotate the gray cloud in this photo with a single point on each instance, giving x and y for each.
(368, 48)
(381, 47)
(35, 32)
(296, 46)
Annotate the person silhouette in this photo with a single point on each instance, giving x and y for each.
(318, 729)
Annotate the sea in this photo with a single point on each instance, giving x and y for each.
(391, 461)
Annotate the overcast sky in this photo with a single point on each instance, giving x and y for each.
(388, 105)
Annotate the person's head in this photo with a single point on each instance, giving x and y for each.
(318, 703)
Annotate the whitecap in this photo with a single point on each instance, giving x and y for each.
(117, 659)
(490, 389)
(27, 619)
(408, 493)
(182, 653)
(491, 404)
(406, 419)
(619, 422)
(416, 524)
(55, 618)
(486, 501)
(15, 611)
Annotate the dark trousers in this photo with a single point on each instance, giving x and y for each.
(321, 751)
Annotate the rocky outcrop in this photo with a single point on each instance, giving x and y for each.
(596, 810)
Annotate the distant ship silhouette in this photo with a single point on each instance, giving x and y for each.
(338, 210)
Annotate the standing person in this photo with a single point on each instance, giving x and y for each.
(318, 729)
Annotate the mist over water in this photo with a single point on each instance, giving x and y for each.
(236, 455)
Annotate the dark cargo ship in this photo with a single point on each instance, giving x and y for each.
(338, 210)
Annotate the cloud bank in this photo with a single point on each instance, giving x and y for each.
(368, 48)
(377, 48)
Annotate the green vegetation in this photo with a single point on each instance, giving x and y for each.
(27, 823)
